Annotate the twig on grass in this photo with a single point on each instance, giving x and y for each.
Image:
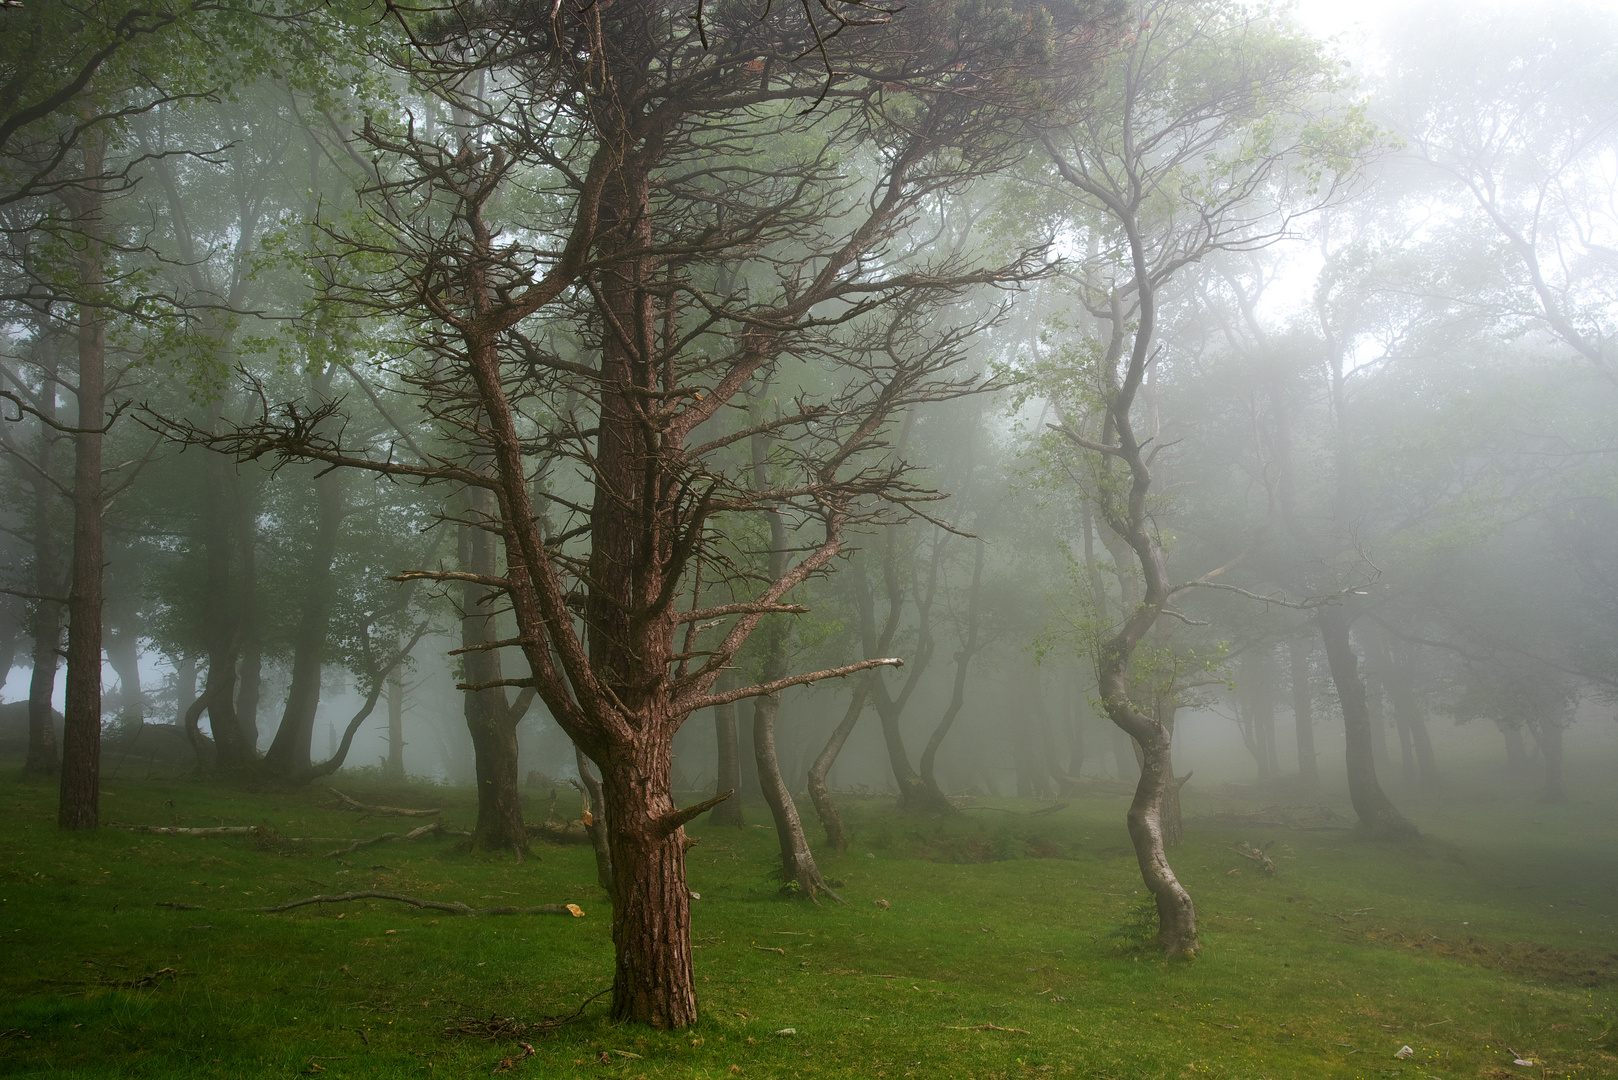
(767, 948)
(496, 1028)
(986, 1027)
(437, 828)
(454, 907)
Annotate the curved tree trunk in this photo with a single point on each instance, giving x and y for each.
(819, 792)
(963, 659)
(1378, 816)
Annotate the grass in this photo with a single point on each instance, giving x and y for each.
(1493, 938)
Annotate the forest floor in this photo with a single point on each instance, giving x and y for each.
(988, 945)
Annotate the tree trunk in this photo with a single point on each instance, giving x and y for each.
(1176, 916)
(394, 768)
(45, 623)
(44, 757)
(123, 656)
(81, 733)
(963, 658)
(819, 792)
(488, 714)
(595, 819)
(653, 981)
(222, 622)
(1548, 737)
(1516, 749)
(1303, 719)
(728, 812)
(289, 754)
(1378, 816)
(799, 873)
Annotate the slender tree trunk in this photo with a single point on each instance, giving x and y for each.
(1378, 816)
(394, 769)
(957, 698)
(45, 622)
(1516, 749)
(123, 656)
(819, 791)
(1548, 737)
(44, 757)
(81, 734)
(1303, 718)
(728, 812)
(595, 819)
(488, 714)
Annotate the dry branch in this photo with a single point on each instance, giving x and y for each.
(391, 811)
(453, 907)
(986, 1027)
(1256, 854)
(437, 828)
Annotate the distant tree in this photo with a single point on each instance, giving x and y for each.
(1216, 127)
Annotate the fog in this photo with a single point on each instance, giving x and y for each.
(960, 406)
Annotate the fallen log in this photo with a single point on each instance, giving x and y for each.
(453, 907)
(391, 811)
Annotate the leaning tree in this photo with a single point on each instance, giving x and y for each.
(1214, 129)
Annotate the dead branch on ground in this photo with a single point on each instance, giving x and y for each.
(391, 811)
(453, 907)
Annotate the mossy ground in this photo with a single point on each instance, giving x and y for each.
(1493, 938)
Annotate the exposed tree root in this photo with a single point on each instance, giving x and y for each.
(391, 811)
(452, 907)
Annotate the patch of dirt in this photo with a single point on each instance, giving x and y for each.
(1575, 966)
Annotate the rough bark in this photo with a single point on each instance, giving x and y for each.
(1378, 816)
(653, 980)
(79, 807)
